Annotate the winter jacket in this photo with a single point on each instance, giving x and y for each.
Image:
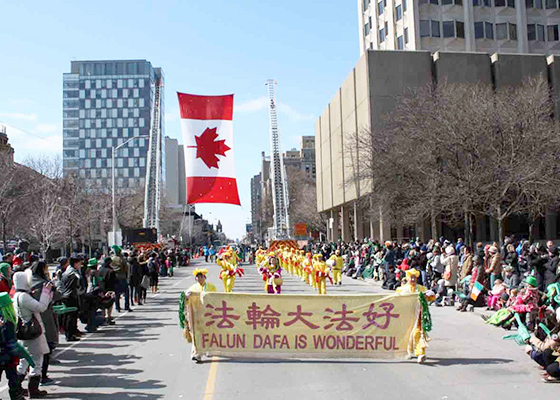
(26, 307)
(71, 284)
(550, 273)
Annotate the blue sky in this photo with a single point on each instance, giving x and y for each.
(204, 47)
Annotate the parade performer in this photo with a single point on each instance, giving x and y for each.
(201, 286)
(260, 256)
(322, 273)
(227, 274)
(298, 259)
(419, 337)
(337, 265)
(307, 267)
(274, 282)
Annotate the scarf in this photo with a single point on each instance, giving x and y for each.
(5, 274)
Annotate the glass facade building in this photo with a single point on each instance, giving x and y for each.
(105, 103)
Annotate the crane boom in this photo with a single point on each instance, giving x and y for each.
(279, 184)
(153, 171)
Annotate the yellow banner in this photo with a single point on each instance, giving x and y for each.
(298, 326)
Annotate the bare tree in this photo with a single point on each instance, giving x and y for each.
(457, 151)
(303, 201)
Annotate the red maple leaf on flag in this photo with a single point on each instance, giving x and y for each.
(207, 147)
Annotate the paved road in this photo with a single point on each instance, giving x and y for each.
(144, 357)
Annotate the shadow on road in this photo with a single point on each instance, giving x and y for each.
(466, 361)
(431, 362)
(91, 369)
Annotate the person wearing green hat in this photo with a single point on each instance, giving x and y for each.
(5, 277)
(531, 281)
(10, 350)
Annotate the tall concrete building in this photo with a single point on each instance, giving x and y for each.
(490, 26)
(106, 103)
(256, 204)
(308, 156)
(175, 180)
(371, 91)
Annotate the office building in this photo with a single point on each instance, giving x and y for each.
(105, 103)
(371, 91)
(308, 156)
(175, 180)
(489, 26)
(256, 204)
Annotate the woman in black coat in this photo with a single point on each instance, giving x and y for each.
(551, 268)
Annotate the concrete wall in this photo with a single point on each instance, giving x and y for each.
(372, 89)
(513, 69)
(554, 78)
(462, 68)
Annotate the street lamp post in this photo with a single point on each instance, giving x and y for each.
(114, 149)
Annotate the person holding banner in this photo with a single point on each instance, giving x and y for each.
(419, 337)
(201, 286)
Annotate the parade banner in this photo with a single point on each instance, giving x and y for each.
(302, 326)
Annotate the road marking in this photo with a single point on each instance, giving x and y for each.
(211, 382)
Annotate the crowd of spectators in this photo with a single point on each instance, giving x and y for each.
(77, 289)
(518, 280)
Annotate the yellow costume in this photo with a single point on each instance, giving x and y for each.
(419, 338)
(227, 274)
(259, 256)
(322, 273)
(183, 316)
(307, 267)
(337, 265)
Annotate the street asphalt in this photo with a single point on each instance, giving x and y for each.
(144, 356)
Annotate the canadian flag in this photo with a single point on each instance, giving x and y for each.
(207, 125)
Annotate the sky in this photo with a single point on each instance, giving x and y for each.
(204, 47)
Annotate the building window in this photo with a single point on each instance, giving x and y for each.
(460, 26)
(501, 31)
(366, 5)
(406, 35)
(479, 30)
(489, 30)
(366, 29)
(540, 33)
(531, 32)
(404, 5)
(434, 2)
(400, 43)
(488, 3)
(398, 12)
(381, 35)
(551, 4)
(380, 8)
(538, 4)
(435, 29)
(475, 2)
(424, 28)
(552, 33)
(511, 3)
(500, 3)
(513, 32)
(448, 29)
